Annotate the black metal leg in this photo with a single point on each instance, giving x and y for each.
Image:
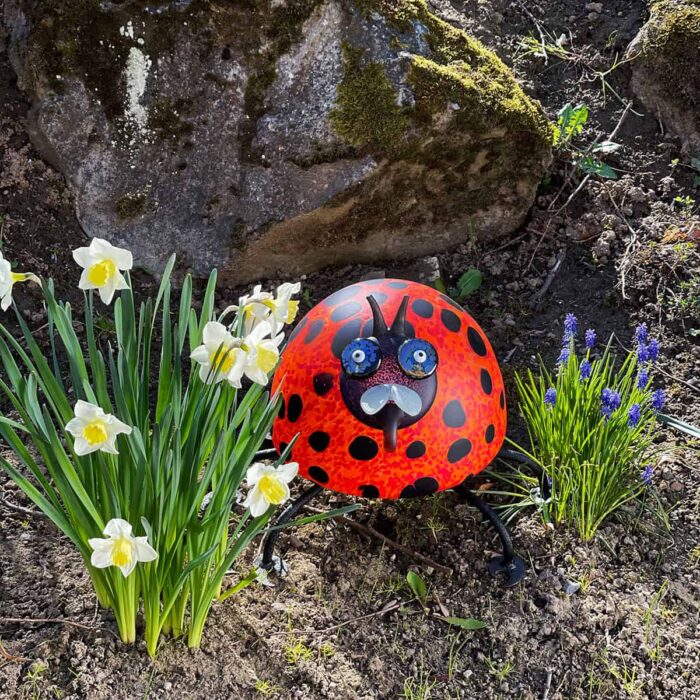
(287, 514)
(535, 468)
(511, 565)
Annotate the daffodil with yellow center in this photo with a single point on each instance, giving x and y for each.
(269, 486)
(264, 306)
(102, 265)
(8, 279)
(120, 548)
(94, 430)
(220, 356)
(262, 352)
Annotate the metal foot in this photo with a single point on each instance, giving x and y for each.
(535, 468)
(288, 513)
(510, 565)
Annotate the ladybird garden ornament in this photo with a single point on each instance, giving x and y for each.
(391, 390)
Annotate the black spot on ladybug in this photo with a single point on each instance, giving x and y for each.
(283, 447)
(450, 320)
(368, 329)
(314, 329)
(486, 382)
(345, 334)
(363, 448)
(281, 413)
(342, 295)
(476, 341)
(323, 383)
(318, 474)
(458, 450)
(415, 450)
(369, 491)
(294, 408)
(490, 433)
(426, 485)
(420, 487)
(453, 415)
(502, 401)
(451, 302)
(345, 311)
(423, 308)
(397, 285)
(319, 440)
(298, 329)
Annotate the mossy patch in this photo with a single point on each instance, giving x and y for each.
(367, 110)
(131, 205)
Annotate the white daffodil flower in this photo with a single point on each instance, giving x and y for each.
(8, 279)
(103, 264)
(220, 356)
(94, 430)
(120, 548)
(262, 353)
(268, 486)
(264, 306)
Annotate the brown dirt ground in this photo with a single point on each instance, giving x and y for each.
(609, 640)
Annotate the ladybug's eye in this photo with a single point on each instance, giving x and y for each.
(361, 357)
(418, 358)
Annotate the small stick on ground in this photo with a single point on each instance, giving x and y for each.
(45, 621)
(537, 298)
(547, 685)
(369, 531)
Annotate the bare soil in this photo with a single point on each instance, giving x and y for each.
(630, 631)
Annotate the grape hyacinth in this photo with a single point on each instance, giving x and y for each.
(643, 378)
(634, 415)
(590, 338)
(550, 397)
(585, 370)
(610, 401)
(647, 475)
(564, 356)
(658, 398)
(653, 349)
(570, 326)
(641, 333)
(643, 353)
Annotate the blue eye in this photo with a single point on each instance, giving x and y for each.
(361, 357)
(418, 358)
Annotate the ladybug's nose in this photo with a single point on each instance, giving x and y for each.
(376, 397)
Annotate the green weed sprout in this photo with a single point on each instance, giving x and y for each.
(590, 426)
(135, 455)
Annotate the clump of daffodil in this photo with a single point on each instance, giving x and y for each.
(103, 265)
(155, 449)
(8, 279)
(120, 548)
(94, 430)
(223, 356)
(269, 486)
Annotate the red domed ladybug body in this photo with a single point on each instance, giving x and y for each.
(393, 390)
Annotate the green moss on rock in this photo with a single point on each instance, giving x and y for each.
(131, 205)
(367, 110)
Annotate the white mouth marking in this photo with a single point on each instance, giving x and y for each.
(375, 398)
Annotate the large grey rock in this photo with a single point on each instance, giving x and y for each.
(665, 60)
(271, 138)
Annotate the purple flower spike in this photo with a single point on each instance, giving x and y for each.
(590, 338)
(658, 399)
(570, 326)
(643, 379)
(641, 333)
(563, 356)
(634, 415)
(647, 475)
(653, 349)
(642, 353)
(550, 397)
(585, 370)
(610, 401)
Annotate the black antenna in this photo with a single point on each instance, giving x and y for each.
(379, 322)
(398, 327)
